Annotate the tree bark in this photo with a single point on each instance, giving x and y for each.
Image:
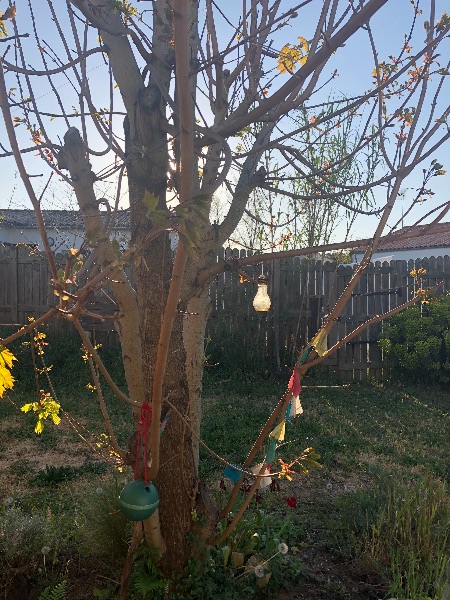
(194, 327)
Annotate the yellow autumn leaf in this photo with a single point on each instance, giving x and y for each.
(290, 56)
(303, 44)
(55, 418)
(6, 379)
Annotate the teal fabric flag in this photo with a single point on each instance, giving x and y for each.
(270, 457)
(288, 413)
(305, 355)
(232, 474)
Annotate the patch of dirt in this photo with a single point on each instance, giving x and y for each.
(23, 457)
(330, 578)
(72, 455)
(319, 482)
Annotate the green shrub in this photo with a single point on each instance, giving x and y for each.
(24, 537)
(416, 342)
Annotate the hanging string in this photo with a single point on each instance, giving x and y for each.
(145, 420)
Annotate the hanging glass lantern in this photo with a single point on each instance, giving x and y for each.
(261, 303)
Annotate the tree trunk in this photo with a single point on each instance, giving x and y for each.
(177, 478)
(194, 326)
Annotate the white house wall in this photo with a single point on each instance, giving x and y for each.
(61, 241)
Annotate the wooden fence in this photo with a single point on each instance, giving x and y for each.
(302, 293)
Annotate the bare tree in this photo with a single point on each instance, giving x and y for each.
(192, 77)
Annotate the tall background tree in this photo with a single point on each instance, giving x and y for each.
(282, 213)
(193, 78)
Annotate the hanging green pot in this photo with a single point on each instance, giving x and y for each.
(138, 501)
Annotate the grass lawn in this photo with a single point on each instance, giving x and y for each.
(383, 449)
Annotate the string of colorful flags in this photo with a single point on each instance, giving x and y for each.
(294, 408)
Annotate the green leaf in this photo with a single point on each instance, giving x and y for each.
(115, 247)
(201, 205)
(159, 217)
(187, 243)
(150, 201)
(182, 211)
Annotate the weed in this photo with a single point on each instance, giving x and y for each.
(51, 475)
(102, 530)
(409, 540)
(57, 592)
(20, 467)
(54, 475)
(148, 580)
(348, 517)
(25, 540)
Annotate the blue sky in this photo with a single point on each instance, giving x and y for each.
(353, 63)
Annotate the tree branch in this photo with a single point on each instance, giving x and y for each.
(60, 69)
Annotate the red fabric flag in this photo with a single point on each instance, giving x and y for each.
(294, 384)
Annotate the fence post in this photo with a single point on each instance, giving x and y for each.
(275, 293)
(14, 284)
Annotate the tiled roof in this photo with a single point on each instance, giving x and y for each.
(440, 237)
(60, 219)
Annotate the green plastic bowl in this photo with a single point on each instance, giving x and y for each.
(137, 501)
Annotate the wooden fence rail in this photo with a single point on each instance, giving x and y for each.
(302, 293)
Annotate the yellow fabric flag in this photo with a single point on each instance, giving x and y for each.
(320, 342)
(279, 431)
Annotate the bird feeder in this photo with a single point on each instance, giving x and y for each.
(261, 302)
(138, 501)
